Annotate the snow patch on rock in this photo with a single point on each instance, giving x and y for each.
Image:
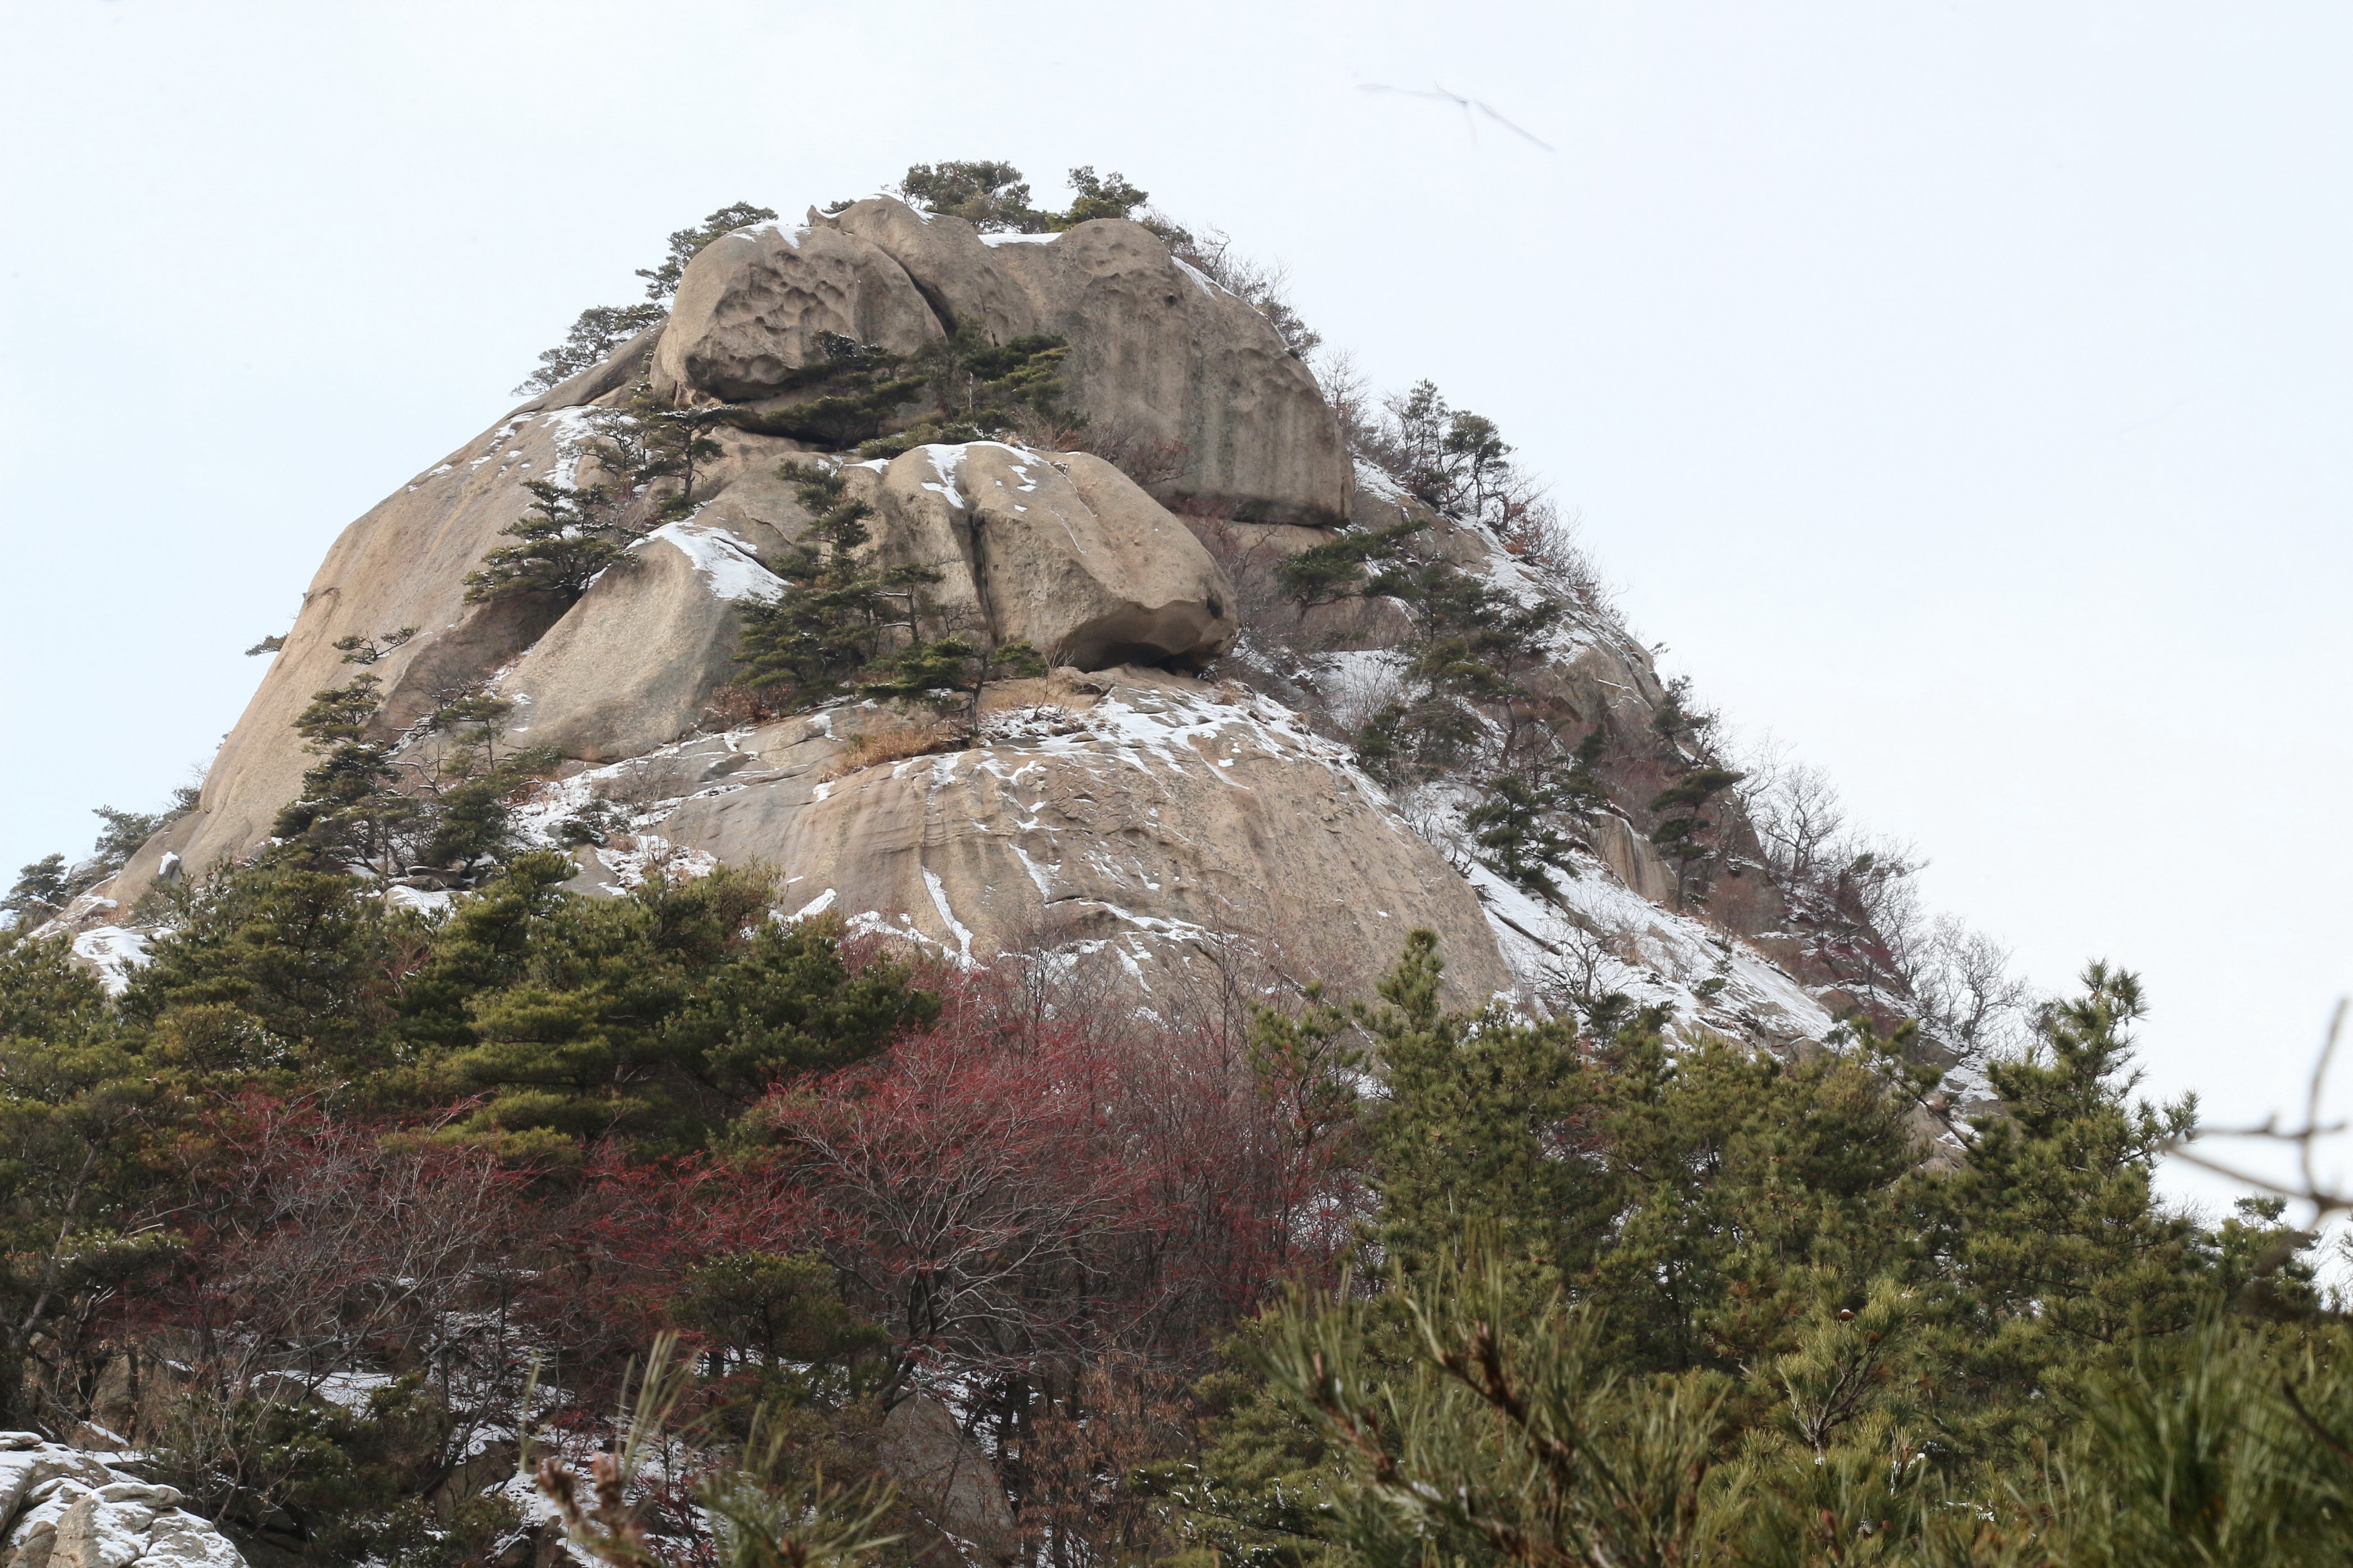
(65, 1507)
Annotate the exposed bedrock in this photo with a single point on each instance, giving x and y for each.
(1160, 358)
(1139, 810)
(62, 1507)
(632, 666)
(750, 307)
(1060, 551)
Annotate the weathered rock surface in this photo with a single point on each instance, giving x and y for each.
(402, 564)
(632, 666)
(65, 1509)
(1135, 812)
(948, 1477)
(750, 307)
(1060, 551)
(1159, 355)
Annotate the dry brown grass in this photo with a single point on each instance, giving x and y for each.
(872, 748)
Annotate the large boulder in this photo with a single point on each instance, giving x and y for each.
(751, 305)
(1160, 357)
(946, 256)
(633, 664)
(1060, 551)
(62, 1507)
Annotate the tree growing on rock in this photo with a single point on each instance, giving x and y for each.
(647, 452)
(994, 197)
(1513, 827)
(601, 329)
(686, 244)
(838, 613)
(1685, 834)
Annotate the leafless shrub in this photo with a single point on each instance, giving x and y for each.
(1962, 981)
(1264, 287)
(1356, 688)
(1857, 901)
(1348, 391)
(1248, 556)
(1546, 542)
(1069, 1459)
(1152, 461)
(1572, 975)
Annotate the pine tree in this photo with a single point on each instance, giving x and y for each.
(303, 955)
(597, 331)
(950, 672)
(601, 329)
(1484, 1117)
(837, 614)
(686, 244)
(1685, 834)
(991, 196)
(1107, 196)
(38, 892)
(1512, 826)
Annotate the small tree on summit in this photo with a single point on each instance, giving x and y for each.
(686, 244)
(993, 196)
(1109, 195)
(601, 329)
(990, 195)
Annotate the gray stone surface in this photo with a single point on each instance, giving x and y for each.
(1157, 353)
(1058, 550)
(633, 664)
(66, 1509)
(1137, 811)
(750, 307)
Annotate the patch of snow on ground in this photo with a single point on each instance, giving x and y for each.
(1603, 936)
(995, 240)
(570, 429)
(642, 854)
(1376, 482)
(422, 901)
(113, 953)
(938, 890)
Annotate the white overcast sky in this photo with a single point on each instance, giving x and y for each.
(1960, 392)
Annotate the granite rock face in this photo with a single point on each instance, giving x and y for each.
(1159, 355)
(1125, 806)
(750, 307)
(66, 1509)
(1135, 812)
(1058, 550)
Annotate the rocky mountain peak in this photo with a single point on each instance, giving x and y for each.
(1180, 768)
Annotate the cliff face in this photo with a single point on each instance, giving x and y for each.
(1181, 785)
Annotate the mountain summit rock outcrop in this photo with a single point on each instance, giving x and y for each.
(1158, 354)
(1187, 782)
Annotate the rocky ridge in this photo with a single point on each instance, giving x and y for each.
(1180, 781)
